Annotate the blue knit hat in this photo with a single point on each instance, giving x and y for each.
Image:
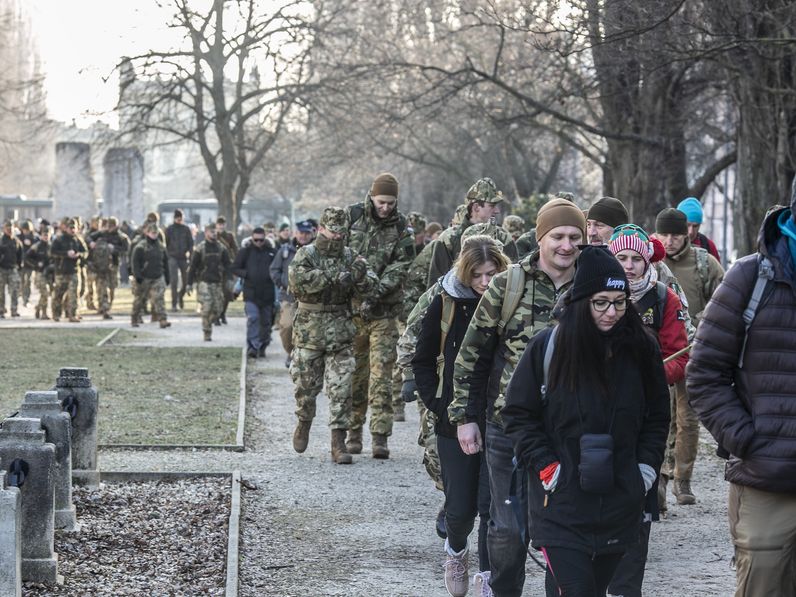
(692, 209)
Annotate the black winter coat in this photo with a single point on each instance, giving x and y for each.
(637, 417)
(150, 261)
(11, 253)
(253, 265)
(424, 362)
(60, 247)
(751, 411)
(179, 241)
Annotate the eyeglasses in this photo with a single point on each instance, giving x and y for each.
(258, 240)
(602, 305)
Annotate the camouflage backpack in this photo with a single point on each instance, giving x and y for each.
(101, 258)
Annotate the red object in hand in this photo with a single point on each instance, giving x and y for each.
(546, 474)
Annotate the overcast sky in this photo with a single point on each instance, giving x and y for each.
(80, 41)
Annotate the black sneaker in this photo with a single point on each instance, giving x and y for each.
(223, 319)
(251, 353)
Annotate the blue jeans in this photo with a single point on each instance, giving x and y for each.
(507, 550)
(258, 325)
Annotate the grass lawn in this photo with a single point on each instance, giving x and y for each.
(147, 395)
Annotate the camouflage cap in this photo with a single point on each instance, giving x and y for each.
(485, 190)
(210, 226)
(151, 227)
(514, 224)
(487, 229)
(417, 221)
(335, 219)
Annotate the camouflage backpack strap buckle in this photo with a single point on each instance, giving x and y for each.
(515, 284)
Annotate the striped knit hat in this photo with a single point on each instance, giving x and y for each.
(630, 236)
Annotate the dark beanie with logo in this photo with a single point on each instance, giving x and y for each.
(671, 221)
(597, 271)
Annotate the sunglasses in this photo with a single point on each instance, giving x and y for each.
(258, 240)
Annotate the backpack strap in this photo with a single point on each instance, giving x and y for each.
(515, 285)
(445, 322)
(765, 273)
(702, 269)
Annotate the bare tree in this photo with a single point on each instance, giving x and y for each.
(231, 89)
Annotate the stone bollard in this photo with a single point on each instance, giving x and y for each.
(10, 540)
(58, 431)
(81, 401)
(29, 461)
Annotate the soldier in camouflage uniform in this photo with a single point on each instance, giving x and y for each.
(11, 256)
(324, 276)
(515, 226)
(121, 245)
(91, 273)
(151, 273)
(380, 233)
(489, 353)
(226, 238)
(38, 259)
(483, 205)
(417, 223)
(210, 267)
(28, 238)
(100, 263)
(66, 250)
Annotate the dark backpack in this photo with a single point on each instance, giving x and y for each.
(101, 257)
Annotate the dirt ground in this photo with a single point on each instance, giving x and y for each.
(310, 527)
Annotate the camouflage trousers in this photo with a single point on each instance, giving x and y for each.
(65, 295)
(375, 353)
(153, 290)
(26, 280)
(45, 288)
(309, 369)
(9, 279)
(103, 283)
(287, 312)
(91, 283)
(398, 404)
(211, 296)
(427, 439)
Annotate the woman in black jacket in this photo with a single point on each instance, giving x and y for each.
(590, 427)
(464, 476)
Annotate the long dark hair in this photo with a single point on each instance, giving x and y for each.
(582, 350)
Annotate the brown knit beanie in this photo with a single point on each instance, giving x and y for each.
(609, 211)
(559, 212)
(384, 184)
(671, 221)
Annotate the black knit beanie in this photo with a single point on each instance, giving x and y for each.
(608, 211)
(597, 271)
(671, 221)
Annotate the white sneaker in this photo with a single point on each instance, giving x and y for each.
(481, 586)
(456, 577)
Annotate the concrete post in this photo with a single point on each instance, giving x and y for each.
(57, 426)
(10, 540)
(23, 447)
(81, 401)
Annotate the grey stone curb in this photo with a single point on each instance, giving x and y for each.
(238, 446)
(233, 528)
(108, 338)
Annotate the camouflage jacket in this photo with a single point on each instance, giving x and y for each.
(389, 248)
(526, 244)
(314, 278)
(414, 321)
(487, 359)
(416, 278)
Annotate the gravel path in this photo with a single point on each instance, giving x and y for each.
(313, 528)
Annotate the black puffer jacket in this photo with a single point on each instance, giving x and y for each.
(751, 411)
(638, 405)
(253, 265)
(424, 363)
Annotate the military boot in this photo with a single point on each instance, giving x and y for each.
(354, 441)
(133, 321)
(379, 446)
(682, 491)
(165, 324)
(301, 436)
(43, 314)
(339, 453)
(208, 335)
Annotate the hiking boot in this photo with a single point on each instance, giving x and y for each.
(481, 586)
(251, 353)
(208, 335)
(14, 314)
(106, 315)
(43, 314)
(354, 441)
(223, 318)
(133, 322)
(456, 578)
(663, 481)
(442, 530)
(399, 412)
(165, 324)
(682, 491)
(74, 319)
(379, 446)
(301, 436)
(339, 453)
(55, 317)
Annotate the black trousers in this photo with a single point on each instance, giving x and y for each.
(466, 482)
(629, 575)
(574, 573)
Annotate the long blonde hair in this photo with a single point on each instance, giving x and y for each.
(476, 251)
